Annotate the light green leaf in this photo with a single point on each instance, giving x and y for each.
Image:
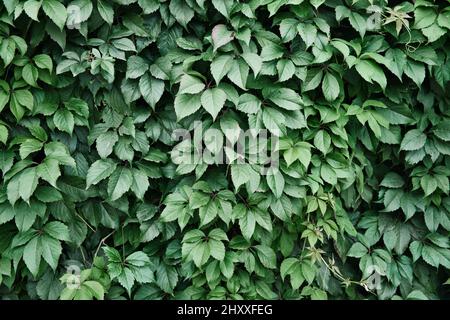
(106, 11)
(105, 143)
(220, 36)
(49, 171)
(119, 182)
(330, 87)
(186, 104)
(213, 100)
(32, 255)
(64, 120)
(413, 140)
(56, 11)
(151, 89)
(31, 8)
(99, 170)
(357, 250)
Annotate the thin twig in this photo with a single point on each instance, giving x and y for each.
(102, 242)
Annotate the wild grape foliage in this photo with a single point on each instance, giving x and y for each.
(93, 204)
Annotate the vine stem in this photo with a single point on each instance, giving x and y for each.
(85, 222)
(102, 242)
(341, 277)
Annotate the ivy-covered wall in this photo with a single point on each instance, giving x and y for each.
(130, 168)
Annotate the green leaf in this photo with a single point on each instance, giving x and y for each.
(181, 11)
(25, 215)
(151, 89)
(119, 182)
(49, 171)
(357, 250)
(24, 98)
(3, 134)
(6, 213)
(238, 73)
(140, 183)
(200, 253)
(442, 130)
(370, 72)
(57, 230)
(217, 249)
(253, 60)
(105, 143)
(136, 67)
(241, 174)
(78, 11)
(432, 218)
(284, 98)
(248, 103)
(78, 106)
(64, 120)
(428, 184)
(43, 61)
(416, 295)
(124, 44)
(51, 250)
(190, 84)
(434, 32)
(213, 101)
(308, 33)
(220, 66)
(166, 277)
(30, 74)
(31, 8)
(413, 140)
(56, 11)
(267, 256)
(322, 141)
(300, 151)
(59, 151)
(22, 185)
(106, 11)
(186, 104)
(424, 17)
(286, 69)
(273, 120)
(99, 170)
(96, 289)
(357, 22)
(415, 71)
(220, 36)
(126, 279)
(247, 224)
(392, 199)
(29, 146)
(328, 174)
(149, 6)
(32, 255)
(330, 87)
(276, 183)
(392, 180)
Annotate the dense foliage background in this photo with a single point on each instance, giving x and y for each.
(92, 205)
